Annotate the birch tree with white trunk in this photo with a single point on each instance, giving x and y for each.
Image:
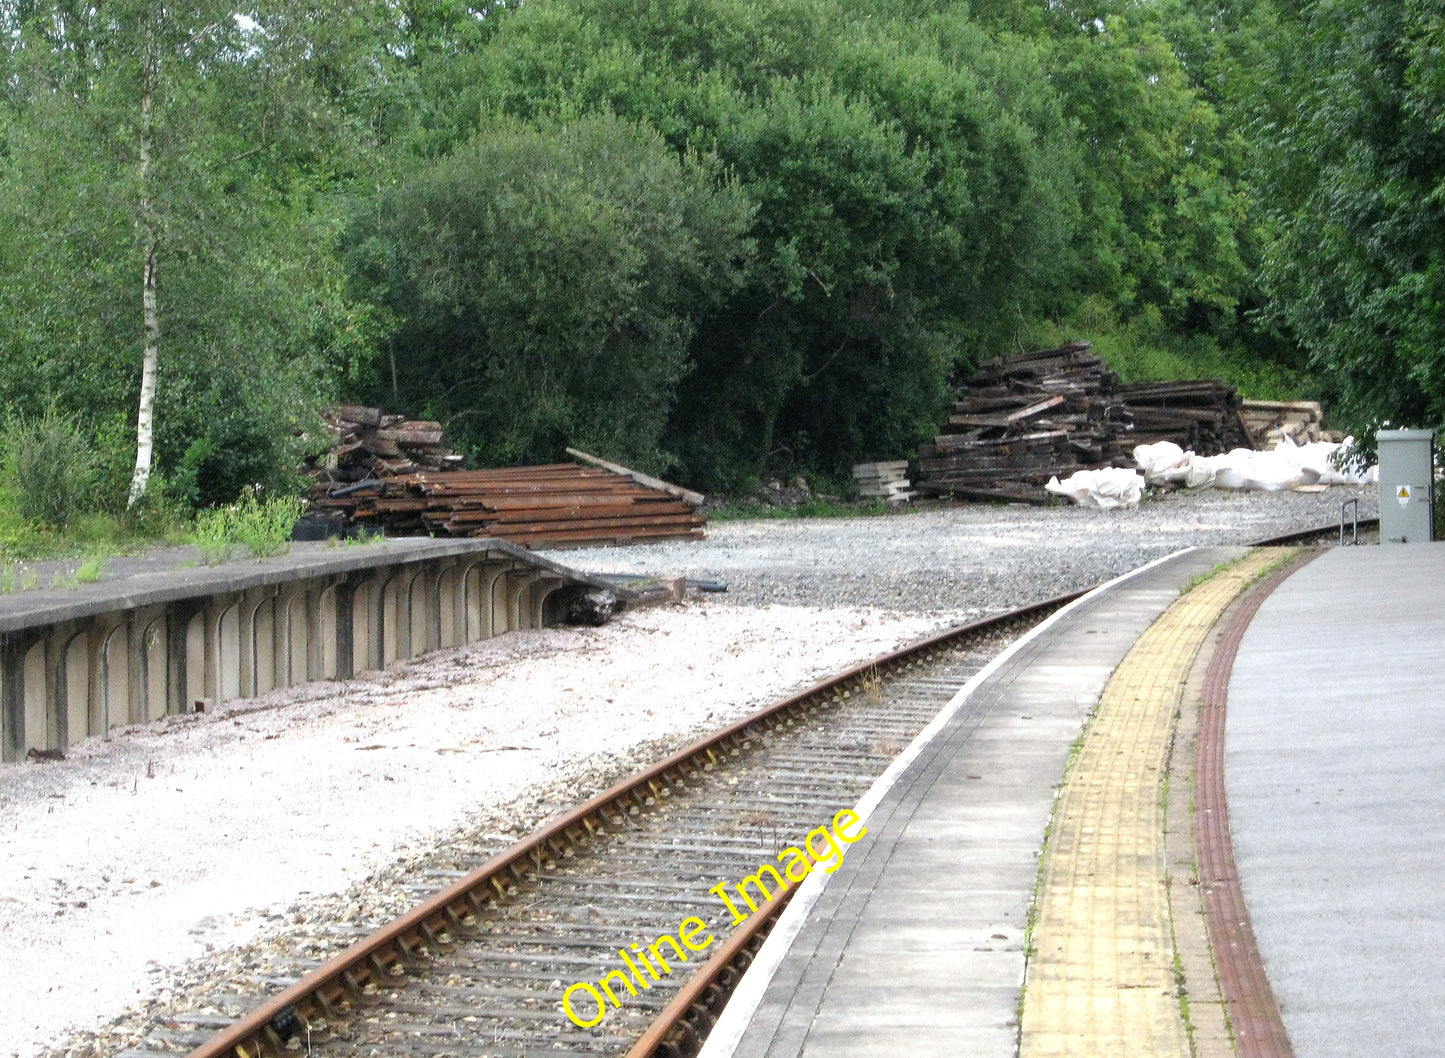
(150, 356)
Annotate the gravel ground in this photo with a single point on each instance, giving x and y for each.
(971, 558)
(151, 872)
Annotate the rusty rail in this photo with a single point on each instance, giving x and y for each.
(1300, 536)
(683, 1025)
(431, 924)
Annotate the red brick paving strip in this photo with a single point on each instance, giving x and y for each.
(1258, 1029)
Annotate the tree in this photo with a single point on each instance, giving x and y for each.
(542, 284)
(1355, 172)
(164, 198)
(908, 184)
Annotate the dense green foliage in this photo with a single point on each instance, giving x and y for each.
(713, 238)
(47, 470)
(544, 285)
(1356, 177)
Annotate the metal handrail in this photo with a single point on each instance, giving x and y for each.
(1355, 539)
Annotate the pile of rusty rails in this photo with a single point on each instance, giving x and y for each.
(1023, 419)
(557, 505)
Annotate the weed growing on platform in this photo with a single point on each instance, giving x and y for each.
(90, 570)
(1219, 567)
(263, 527)
(1287, 555)
(215, 536)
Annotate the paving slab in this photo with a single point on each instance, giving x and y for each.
(1335, 770)
(1103, 979)
(916, 944)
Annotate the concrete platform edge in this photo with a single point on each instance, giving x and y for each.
(727, 1033)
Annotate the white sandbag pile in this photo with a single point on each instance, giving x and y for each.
(1288, 466)
(1108, 488)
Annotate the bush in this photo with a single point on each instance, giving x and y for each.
(263, 527)
(49, 471)
(543, 284)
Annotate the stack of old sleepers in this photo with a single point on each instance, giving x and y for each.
(368, 443)
(1019, 421)
(1200, 415)
(1271, 421)
(883, 481)
(556, 505)
(1023, 419)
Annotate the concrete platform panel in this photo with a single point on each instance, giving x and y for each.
(916, 944)
(163, 635)
(1335, 769)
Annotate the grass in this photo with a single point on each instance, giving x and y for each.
(262, 527)
(1198, 579)
(1143, 350)
(91, 536)
(1288, 556)
(90, 570)
(363, 537)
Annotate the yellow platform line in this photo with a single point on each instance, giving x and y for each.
(1100, 980)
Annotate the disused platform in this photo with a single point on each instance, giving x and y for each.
(155, 637)
(1335, 769)
(917, 944)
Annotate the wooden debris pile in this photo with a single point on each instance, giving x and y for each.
(1271, 421)
(1023, 419)
(1200, 415)
(883, 481)
(557, 505)
(371, 444)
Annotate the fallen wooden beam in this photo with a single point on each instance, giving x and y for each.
(686, 495)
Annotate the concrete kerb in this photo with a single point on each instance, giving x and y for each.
(727, 1033)
(52, 606)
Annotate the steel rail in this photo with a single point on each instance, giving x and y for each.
(1301, 535)
(678, 1032)
(432, 924)
(682, 1026)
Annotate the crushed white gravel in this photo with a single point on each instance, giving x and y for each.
(196, 833)
(143, 870)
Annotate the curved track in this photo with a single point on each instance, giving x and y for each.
(482, 967)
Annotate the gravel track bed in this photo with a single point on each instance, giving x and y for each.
(173, 863)
(974, 558)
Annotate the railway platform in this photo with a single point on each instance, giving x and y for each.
(924, 942)
(1335, 769)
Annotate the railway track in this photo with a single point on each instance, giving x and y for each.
(482, 967)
